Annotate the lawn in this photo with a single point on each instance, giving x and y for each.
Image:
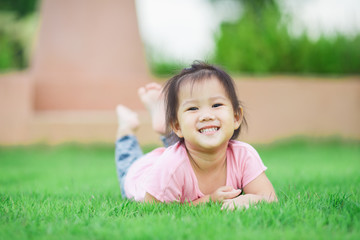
(71, 192)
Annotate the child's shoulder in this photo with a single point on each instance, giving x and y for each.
(243, 147)
(174, 153)
(176, 148)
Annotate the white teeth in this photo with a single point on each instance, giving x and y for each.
(205, 130)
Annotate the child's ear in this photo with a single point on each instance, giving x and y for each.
(176, 129)
(238, 117)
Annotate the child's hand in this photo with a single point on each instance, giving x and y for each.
(223, 193)
(241, 202)
(244, 201)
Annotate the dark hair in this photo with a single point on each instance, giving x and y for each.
(198, 71)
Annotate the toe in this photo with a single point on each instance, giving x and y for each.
(141, 91)
(122, 110)
(153, 86)
(119, 108)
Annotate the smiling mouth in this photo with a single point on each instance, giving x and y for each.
(209, 130)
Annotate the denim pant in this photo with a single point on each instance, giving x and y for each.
(127, 151)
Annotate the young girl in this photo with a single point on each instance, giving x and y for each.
(202, 113)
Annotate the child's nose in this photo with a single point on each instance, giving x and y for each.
(206, 116)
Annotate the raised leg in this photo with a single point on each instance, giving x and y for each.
(153, 100)
(128, 121)
(127, 149)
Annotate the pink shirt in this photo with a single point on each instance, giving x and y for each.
(166, 173)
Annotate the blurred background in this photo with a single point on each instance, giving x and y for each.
(66, 64)
(297, 37)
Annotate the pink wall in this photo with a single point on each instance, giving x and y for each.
(87, 51)
(89, 58)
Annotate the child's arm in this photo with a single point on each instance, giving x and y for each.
(150, 198)
(260, 189)
(221, 194)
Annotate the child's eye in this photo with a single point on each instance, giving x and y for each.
(217, 105)
(192, 109)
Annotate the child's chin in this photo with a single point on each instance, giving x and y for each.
(212, 145)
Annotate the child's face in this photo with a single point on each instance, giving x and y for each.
(206, 118)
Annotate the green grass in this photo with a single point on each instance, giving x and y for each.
(71, 192)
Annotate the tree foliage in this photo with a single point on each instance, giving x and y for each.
(259, 42)
(13, 40)
(20, 7)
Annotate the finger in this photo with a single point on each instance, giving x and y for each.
(240, 191)
(224, 207)
(224, 204)
(228, 206)
(232, 194)
(226, 188)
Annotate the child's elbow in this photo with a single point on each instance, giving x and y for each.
(267, 197)
(150, 198)
(271, 197)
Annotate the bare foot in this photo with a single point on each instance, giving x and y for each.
(152, 98)
(128, 121)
